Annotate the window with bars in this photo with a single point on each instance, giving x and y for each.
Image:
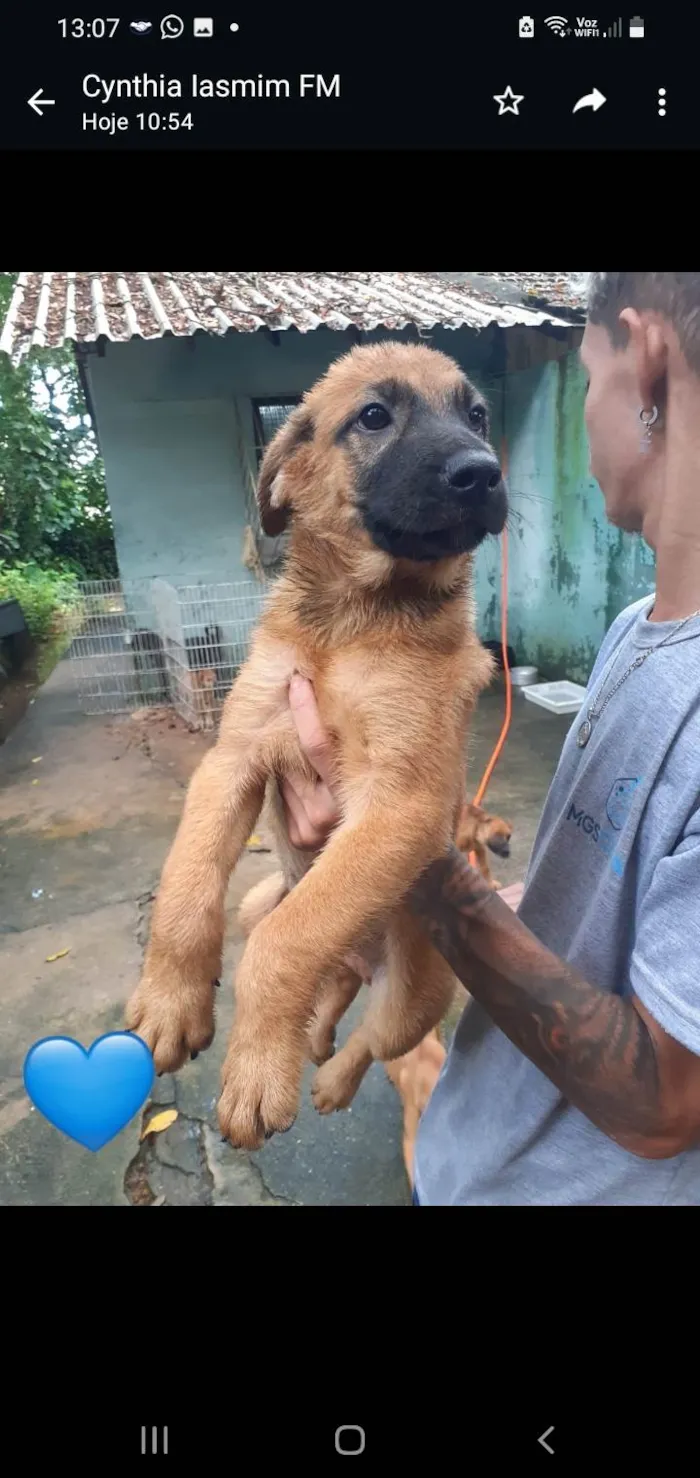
(268, 416)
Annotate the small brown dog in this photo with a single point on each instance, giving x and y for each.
(388, 483)
(203, 691)
(414, 1077)
(476, 831)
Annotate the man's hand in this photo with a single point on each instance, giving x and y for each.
(309, 804)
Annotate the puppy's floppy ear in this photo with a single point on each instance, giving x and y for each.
(479, 814)
(274, 501)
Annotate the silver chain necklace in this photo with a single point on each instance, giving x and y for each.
(595, 711)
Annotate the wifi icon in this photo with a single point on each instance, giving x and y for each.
(557, 23)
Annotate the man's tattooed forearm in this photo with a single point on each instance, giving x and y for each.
(595, 1047)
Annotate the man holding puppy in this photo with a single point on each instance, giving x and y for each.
(574, 1075)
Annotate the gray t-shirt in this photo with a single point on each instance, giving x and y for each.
(613, 887)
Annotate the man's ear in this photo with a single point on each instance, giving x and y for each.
(274, 501)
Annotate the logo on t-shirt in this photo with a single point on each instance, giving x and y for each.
(619, 802)
(617, 809)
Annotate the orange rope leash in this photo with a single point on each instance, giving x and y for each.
(488, 772)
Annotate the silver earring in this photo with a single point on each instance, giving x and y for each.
(648, 419)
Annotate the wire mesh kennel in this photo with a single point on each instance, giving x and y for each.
(162, 642)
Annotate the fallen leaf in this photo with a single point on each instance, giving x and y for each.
(254, 844)
(36, 760)
(61, 953)
(35, 782)
(159, 1201)
(159, 1122)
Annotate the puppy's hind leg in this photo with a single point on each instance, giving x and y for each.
(336, 995)
(408, 997)
(260, 901)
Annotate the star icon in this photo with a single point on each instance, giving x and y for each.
(508, 102)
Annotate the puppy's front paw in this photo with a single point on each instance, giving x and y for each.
(260, 1090)
(174, 1014)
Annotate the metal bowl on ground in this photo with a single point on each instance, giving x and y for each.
(522, 677)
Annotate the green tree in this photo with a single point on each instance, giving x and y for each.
(53, 501)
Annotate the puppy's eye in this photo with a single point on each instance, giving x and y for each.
(477, 416)
(374, 417)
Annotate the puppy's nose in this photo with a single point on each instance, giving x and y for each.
(476, 472)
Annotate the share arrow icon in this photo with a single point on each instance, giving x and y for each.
(592, 100)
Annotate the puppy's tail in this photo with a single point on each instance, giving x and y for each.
(260, 901)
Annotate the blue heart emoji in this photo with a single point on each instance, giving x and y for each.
(90, 1096)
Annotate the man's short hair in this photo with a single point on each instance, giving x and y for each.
(674, 295)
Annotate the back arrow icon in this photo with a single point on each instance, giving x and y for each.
(544, 1443)
(592, 100)
(37, 102)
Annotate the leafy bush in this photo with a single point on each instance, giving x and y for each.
(48, 597)
(53, 499)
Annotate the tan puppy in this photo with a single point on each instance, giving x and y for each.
(388, 483)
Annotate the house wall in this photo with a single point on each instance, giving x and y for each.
(166, 414)
(170, 437)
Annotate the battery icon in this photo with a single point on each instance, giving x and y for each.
(637, 28)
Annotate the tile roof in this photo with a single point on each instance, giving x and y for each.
(49, 309)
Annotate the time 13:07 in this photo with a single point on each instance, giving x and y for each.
(94, 30)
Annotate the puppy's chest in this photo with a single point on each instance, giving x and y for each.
(376, 708)
(341, 695)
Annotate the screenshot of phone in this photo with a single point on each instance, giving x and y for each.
(378, 81)
(349, 620)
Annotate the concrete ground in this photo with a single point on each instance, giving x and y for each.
(88, 807)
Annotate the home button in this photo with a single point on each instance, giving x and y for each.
(350, 1441)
